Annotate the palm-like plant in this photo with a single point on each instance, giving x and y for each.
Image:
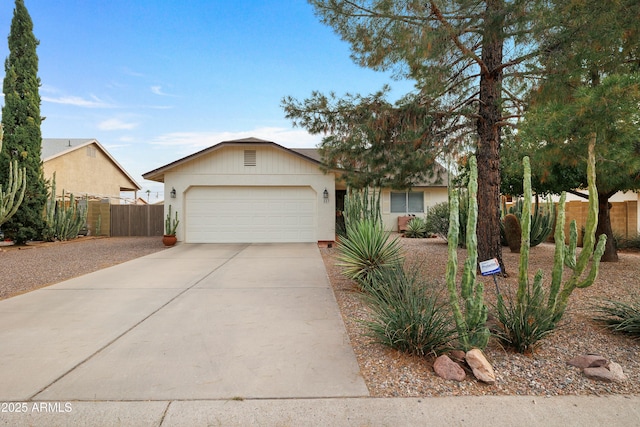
(366, 251)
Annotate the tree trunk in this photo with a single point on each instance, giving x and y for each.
(604, 227)
(488, 149)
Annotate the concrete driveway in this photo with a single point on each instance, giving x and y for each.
(192, 322)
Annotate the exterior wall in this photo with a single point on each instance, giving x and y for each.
(274, 167)
(86, 171)
(431, 195)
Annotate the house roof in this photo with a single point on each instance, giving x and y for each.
(158, 174)
(309, 154)
(56, 147)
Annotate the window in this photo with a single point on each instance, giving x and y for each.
(407, 202)
(249, 157)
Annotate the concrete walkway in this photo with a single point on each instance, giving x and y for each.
(220, 335)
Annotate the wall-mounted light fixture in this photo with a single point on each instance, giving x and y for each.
(173, 193)
(325, 195)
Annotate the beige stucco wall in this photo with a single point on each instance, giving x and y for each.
(274, 167)
(86, 171)
(432, 196)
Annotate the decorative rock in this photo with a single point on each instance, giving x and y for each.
(457, 356)
(481, 368)
(446, 368)
(610, 373)
(588, 361)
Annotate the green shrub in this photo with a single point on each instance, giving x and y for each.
(367, 250)
(620, 316)
(523, 325)
(437, 219)
(542, 219)
(632, 242)
(416, 228)
(407, 314)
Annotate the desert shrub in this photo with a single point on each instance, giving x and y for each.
(367, 250)
(522, 325)
(631, 242)
(437, 219)
(620, 316)
(416, 228)
(407, 313)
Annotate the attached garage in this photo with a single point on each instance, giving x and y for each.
(234, 214)
(249, 191)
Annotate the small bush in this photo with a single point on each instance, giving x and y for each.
(620, 316)
(521, 326)
(632, 242)
(437, 220)
(366, 251)
(416, 228)
(407, 314)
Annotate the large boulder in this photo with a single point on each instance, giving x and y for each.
(481, 368)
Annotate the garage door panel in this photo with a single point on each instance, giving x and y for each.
(250, 214)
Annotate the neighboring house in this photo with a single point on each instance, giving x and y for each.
(251, 190)
(85, 168)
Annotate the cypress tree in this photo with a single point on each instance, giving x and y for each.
(21, 123)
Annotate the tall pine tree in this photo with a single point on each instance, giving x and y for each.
(21, 122)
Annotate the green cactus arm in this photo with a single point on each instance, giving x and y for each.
(452, 267)
(470, 266)
(592, 216)
(559, 256)
(525, 225)
(571, 248)
(17, 184)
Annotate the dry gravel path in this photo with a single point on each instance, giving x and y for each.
(25, 268)
(387, 372)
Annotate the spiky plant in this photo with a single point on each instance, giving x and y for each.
(366, 251)
(470, 324)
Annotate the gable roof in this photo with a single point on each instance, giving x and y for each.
(57, 147)
(158, 174)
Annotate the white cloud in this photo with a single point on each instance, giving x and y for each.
(77, 101)
(116, 124)
(291, 138)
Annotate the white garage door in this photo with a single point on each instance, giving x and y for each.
(250, 214)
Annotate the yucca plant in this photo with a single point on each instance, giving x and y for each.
(416, 228)
(620, 316)
(367, 250)
(407, 314)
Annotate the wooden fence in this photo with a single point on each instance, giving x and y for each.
(136, 220)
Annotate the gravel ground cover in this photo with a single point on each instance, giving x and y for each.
(389, 373)
(25, 268)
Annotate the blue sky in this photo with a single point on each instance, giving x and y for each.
(156, 80)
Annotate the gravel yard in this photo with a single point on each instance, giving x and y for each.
(387, 372)
(25, 268)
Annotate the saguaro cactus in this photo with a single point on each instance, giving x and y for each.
(471, 325)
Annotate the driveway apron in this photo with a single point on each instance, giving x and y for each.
(197, 321)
